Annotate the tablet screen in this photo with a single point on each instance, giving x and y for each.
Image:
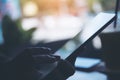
(91, 30)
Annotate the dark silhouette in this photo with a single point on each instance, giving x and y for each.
(28, 66)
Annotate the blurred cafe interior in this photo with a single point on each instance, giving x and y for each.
(51, 23)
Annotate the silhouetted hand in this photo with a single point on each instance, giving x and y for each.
(25, 65)
(42, 55)
(37, 63)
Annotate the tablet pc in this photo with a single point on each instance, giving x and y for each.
(90, 31)
(73, 47)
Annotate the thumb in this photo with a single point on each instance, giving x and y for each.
(66, 68)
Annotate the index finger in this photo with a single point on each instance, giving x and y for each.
(38, 50)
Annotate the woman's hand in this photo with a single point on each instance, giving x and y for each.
(42, 55)
(30, 63)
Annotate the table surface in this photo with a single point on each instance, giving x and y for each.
(80, 75)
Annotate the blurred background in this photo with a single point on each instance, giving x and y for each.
(49, 23)
(44, 21)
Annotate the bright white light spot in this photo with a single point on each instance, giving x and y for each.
(30, 9)
(97, 42)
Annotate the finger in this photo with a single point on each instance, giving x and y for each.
(46, 58)
(38, 50)
(66, 68)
